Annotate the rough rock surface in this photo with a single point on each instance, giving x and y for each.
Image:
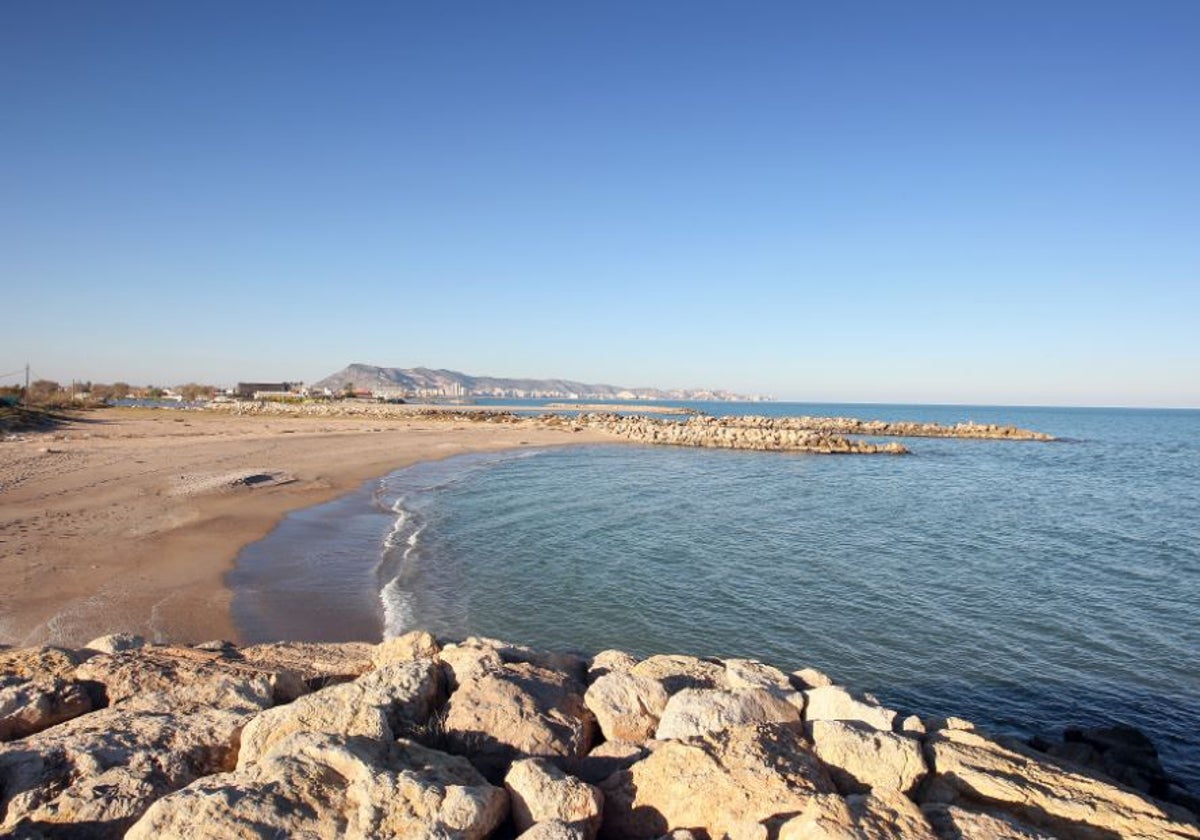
(952, 822)
(1070, 804)
(128, 673)
(39, 662)
(627, 706)
(832, 702)
(518, 710)
(609, 662)
(726, 782)
(417, 644)
(861, 758)
(875, 816)
(100, 772)
(695, 711)
(321, 785)
(540, 792)
(29, 707)
(676, 673)
(319, 665)
(116, 642)
(381, 704)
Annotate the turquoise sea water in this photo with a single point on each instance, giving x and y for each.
(1027, 586)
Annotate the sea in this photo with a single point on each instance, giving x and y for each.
(1027, 586)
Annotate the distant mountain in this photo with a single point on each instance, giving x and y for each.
(450, 383)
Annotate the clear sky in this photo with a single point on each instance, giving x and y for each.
(870, 201)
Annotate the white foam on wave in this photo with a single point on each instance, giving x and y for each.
(399, 609)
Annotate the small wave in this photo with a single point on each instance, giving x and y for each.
(399, 609)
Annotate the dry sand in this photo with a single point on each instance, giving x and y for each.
(128, 519)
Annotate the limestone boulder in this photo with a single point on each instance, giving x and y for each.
(675, 672)
(609, 662)
(46, 663)
(319, 665)
(381, 704)
(832, 702)
(733, 782)
(886, 815)
(609, 757)
(810, 678)
(463, 663)
(627, 706)
(953, 822)
(95, 775)
(540, 792)
(128, 673)
(417, 644)
(554, 830)
(318, 785)
(862, 758)
(116, 642)
(972, 770)
(517, 711)
(750, 673)
(29, 707)
(570, 664)
(696, 711)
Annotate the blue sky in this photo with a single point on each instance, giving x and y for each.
(870, 201)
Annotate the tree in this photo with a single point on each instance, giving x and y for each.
(44, 390)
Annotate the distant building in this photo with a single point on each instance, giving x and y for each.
(248, 390)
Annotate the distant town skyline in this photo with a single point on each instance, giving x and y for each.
(926, 203)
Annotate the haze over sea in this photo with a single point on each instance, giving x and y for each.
(1026, 586)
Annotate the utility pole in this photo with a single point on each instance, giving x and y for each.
(27, 384)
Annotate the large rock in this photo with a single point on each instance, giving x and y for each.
(832, 702)
(862, 758)
(30, 707)
(729, 782)
(47, 663)
(886, 815)
(952, 822)
(696, 711)
(609, 662)
(316, 785)
(609, 757)
(555, 830)
(540, 792)
(973, 770)
(128, 673)
(676, 673)
(381, 704)
(627, 706)
(319, 665)
(517, 711)
(417, 644)
(95, 775)
(116, 642)
(750, 673)
(569, 664)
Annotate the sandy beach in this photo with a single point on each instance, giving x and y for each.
(128, 519)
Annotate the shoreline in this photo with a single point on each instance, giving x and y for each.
(128, 520)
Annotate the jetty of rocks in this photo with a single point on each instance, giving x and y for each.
(820, 435)
(419, 737)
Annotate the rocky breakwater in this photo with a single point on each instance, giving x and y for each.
(762, 434)
(419, 738)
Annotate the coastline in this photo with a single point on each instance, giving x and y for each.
(127, 520)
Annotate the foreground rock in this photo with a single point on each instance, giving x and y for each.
(975, 771)
(419, 737)
(725, 783)
(517, 711)
(97, 774)
(319, 785)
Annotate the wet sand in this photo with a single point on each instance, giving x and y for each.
(128, 519)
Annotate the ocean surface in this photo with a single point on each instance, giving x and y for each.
(1027, 586)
